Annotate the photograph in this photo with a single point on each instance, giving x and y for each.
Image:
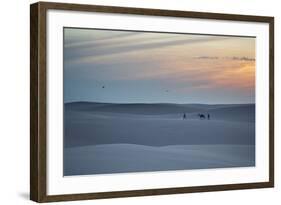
(140, 101)
(145, 101)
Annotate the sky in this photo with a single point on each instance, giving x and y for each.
(149, 67)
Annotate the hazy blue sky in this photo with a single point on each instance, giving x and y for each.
(144, 67)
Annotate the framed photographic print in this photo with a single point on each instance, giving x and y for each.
(135, 102)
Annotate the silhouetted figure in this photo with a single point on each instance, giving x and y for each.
(103, 87)
(201, 116)
(208, 116)
(184, 116)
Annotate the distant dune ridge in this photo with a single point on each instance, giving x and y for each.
(104, 137)
(162, 108)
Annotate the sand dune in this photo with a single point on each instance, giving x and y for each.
(91, 125)
(231, 112)
(240, 113)
(119, 158)
(111, 138)
(132, 108)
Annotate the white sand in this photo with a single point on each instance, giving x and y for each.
(118, 158)
(111, 138)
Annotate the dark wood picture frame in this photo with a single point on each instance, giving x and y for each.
(38, 95)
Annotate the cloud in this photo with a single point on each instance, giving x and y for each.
(88, 42)
(88, 54)
(207, 57)
(243, 58)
